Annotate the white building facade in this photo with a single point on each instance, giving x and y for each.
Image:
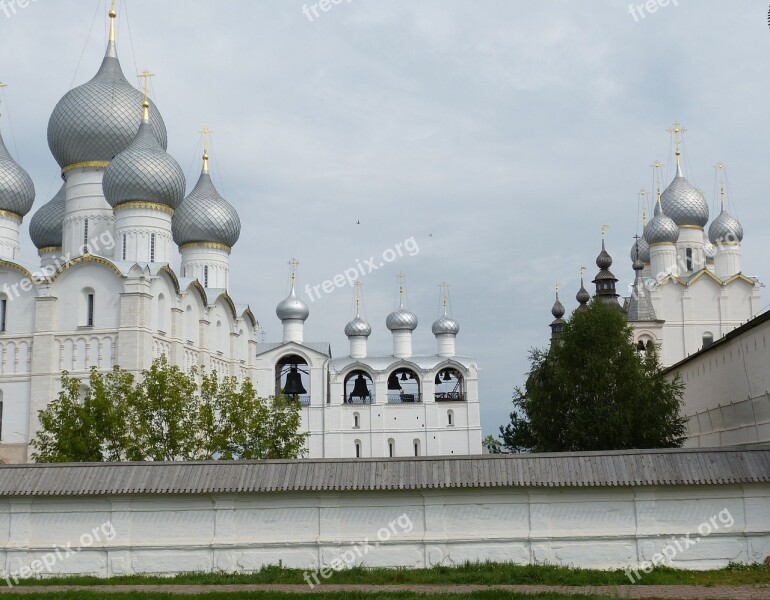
(105, 291)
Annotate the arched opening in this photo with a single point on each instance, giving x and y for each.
(3, 312)
(358, 448)
(688, 258)
(87, 307)
(359, 388)
(404, 386)
(292, 378)
(416, 446)
(708, 339)
(449, 385)
(391, 447)
(356, 421)
(650, 346)
(450, 418)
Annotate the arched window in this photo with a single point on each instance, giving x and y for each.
(449, 386)
(416, 445)
(292, 378)
(85, 236)
(88, 307)
(356, 421)
(640, 347)
(358, 448)
(391, 447)
(450, 418)
(152, 247)
(688, 256)
(358, 388)
(206, 276)
(125, 243)
(3, 312)
(708, 339)
(404, 386)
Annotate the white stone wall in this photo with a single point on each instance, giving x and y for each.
(585, 527)
(727, 391)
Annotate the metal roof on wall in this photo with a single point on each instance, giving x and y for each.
(712, 466)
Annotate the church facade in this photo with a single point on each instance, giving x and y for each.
(106, 292)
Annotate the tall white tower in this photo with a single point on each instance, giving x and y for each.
(445, 328)
(726, 234)
(292, 311)
(17, 193)
(358, 330)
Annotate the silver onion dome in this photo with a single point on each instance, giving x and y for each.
(144, 172)
(401, 320)
(725, 229)
(558, 308)
(358, 328)
(45, 227)
(17, 192)
(98, 120)
(205, 216)
(583, 297)
(292, 308)
(684, 203)
(661, 230)
(641, 246)
(604, 260)
(445, 325)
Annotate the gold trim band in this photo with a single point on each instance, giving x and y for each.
(141, 204)
(88, 164)
(47, 249)
(691, 227)
(10, 215)
(210, 245)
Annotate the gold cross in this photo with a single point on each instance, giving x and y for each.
(206, 132)
(146, 87)
(293, 263)
(357, 291)
(604, 230)
(582, 270)
(444, 294)
(401, 278)
(720, 167)
(677, 130)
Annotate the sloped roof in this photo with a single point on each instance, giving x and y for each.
(716, 466)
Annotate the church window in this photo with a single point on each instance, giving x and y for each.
(358, 448)
(206, 276)
(391, 448)
(708, 339)
(356, 421)
(90, 310)
(688, 256)
(125, 242)
(152, 247)
(417, 447)
(450, 418)
(3, 313)
(85, 236)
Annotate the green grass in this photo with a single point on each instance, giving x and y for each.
(484, 573)
(490, 595)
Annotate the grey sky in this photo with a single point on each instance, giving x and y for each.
(510, 131)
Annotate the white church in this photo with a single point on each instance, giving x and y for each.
(106, 291)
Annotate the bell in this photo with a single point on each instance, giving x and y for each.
(294, 385)
(393, 383)
(437, 381)
(360, 389)
(447, 376)
(404, 376)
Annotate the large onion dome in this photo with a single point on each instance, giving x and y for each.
(604, 260)
(661, 230)
(642, 247)
(401, 320)
(558, 308)
(17, 192)
(96, 121)
(725, 229)
(445, 325)
(292, 308)
(144, 172)
(205, 216)
(45, 227)
(358, 328)
(684, 203)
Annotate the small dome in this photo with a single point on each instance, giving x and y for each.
(604, 260)
(445, 326)
(205, 216)
(643, 248)
(144, 172)
(358, 328)
(401, 320)
(725, 229)
(638, 265)
(98, 120)
(558, 309)
(661, 230)
(45, 227)
(684, 203)
(583, 297)
(17, 192)
(292, 308)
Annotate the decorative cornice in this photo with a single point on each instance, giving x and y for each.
(142, 204)
(662, 244)
(209, 245)
(690, 227)
(88, 164)
(10, 215)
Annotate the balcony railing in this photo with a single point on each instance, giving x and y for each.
(358, 400)
(404, 398)
(450, 396)
(303, 400)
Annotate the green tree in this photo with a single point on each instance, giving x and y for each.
(592, 390)
(166, 415)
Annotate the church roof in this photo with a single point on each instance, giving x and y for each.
(323, 348)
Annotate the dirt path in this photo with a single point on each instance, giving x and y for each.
(680, 592)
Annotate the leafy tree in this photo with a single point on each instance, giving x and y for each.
(592, 390)
(492, 445)
(167, 415)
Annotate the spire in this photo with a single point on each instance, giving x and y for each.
(357, 296)
(605, 281)
(206, 133)
(111, 47)
(677, 130)
(146, 91)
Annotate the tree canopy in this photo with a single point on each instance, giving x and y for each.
(167, 415)
(593, 390)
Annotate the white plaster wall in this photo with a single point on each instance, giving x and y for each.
(583, 527)
(727, 392)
